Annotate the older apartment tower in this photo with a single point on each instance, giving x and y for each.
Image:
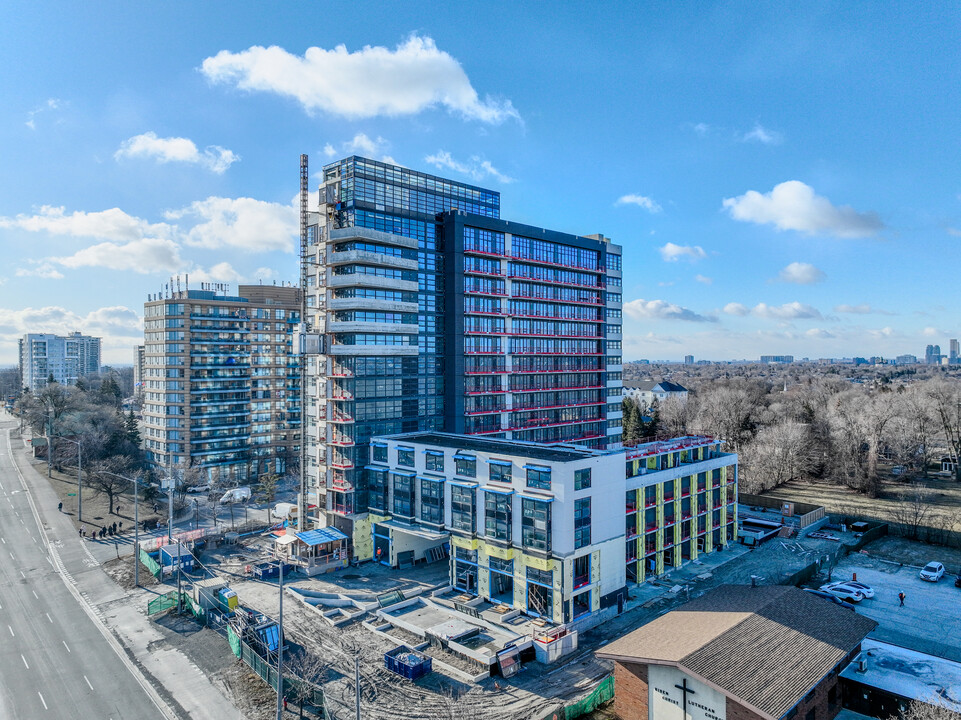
(65, 357)
(222, 381)
(434, 314)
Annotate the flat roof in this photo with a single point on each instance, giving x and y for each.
(554, 453)
(908, 673)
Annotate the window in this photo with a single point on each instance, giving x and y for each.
(463, 513)
(432, 501)
(435, 461)
(582, 571)
(536, 524)
(582, 523)
(377, 486)
(405, 457)
(378, 453)
(582, 479)
(465, 465)
(500, 472)
(403, 495)
(538, 477)
(497, 516)
(501, 566)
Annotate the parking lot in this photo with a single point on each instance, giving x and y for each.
(930, 620)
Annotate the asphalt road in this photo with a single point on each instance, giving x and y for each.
(55, 661)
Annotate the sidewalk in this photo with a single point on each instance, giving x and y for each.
(187, 692)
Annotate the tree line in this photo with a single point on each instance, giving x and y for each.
(815, 426)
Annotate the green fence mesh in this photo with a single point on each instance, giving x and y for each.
(149, 563)
(600, 695)
(234, 641)
(164, 602)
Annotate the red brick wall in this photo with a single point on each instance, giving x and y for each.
(630, 691)
(630, 697)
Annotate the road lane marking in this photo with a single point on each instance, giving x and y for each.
(22, 575)
(12, 633)
(25, 662)
(42, 700)
(4, 540)
(35, 594)
(65, 645)
(12, 557)
(88, 682)
(49, 618)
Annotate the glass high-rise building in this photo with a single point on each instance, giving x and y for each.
(435, 314)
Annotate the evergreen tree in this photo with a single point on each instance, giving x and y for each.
(133, 430)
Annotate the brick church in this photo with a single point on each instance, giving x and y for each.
(771, 652)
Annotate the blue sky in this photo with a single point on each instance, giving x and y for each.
(784, 179)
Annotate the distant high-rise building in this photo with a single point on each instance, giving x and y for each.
(955, 352)
(65, 357)
(222, 381)
(138, 366)
(777, 358)
(932, 355)
(688, 359)
(435, 314)
(906, 360)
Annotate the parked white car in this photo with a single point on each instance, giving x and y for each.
(865, 590)
(205, 488)
(932, 572)
(838, 590)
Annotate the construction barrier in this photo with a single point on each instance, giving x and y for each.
(149, 563)
(293, 687)
(164, 602)
(600, 695)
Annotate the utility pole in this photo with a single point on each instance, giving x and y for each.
(50, 442)
(357, 683)
(280, 648)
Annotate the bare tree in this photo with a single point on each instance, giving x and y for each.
(310, 671)
(778, 454)
(946, 396)
(934, 710)
(102, 477)
(911, 512)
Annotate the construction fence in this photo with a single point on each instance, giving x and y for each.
(600, 695)
(293, 687)
(148, 562)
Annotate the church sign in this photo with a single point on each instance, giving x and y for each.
(672, 695)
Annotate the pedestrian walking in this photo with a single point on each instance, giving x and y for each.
(81, 531)
(59, 507)
(900, 599)
(285, 703)
(120, 526)
(113, 529)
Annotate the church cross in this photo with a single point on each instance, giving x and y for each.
(684, 691)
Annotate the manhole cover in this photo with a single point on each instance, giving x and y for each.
(351, 577)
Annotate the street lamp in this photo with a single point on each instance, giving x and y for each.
(79, 477)
(136, 524)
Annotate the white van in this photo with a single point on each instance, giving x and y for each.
(239, 494)
(284, 511)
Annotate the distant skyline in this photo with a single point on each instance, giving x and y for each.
(783, 178)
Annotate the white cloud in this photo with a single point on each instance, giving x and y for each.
(672, 253)
(176, 149)
(788, 311)
(662, 310)
(704, 279)
(819, 334)
(361, 144)
(862, 309)
(148, 255)
(224, 272)
(373, 81)
(954, 231)
(800, 273)
(761, 134)
(792, 205)
(243, 223)
(43, 270)
(50, 104)
(120, 327)
(641, 201)
(931, 332)
(477, 169)
(700, 129)
(112, 224)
